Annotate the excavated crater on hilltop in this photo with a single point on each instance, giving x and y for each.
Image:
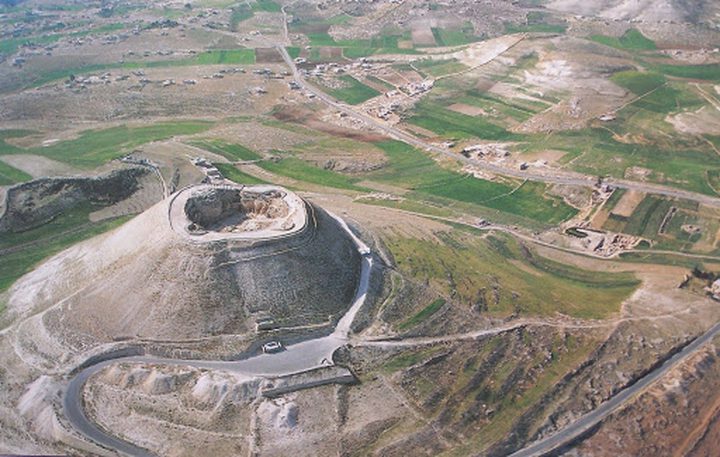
(229, 210)
(253, 212)
(209, 260)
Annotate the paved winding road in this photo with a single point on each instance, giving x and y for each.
(299, 357)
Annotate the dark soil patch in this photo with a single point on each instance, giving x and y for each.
(306, 117)
(267, 55)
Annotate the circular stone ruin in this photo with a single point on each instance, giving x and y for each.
(215, 212)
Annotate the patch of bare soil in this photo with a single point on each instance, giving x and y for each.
(422, 35)
(304, 423)
(599, 219)
(304, 116)
(628, 202)
(549, 156)
(267, 55)
(467, 109)
(39, 166)
(158, 93)
(705, 121)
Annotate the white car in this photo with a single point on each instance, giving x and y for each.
(272, 347)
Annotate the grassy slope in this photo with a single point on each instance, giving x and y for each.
(11, 175)
(95, 147)
(633, 39)
(527, 284)
(48, 239)
(232, 152)
(302, 171)
(233, 174)
(423, 314)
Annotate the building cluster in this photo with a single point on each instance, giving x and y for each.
(212, 174)
(486, 150)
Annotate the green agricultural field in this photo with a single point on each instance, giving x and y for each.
(709, 72)
(525, 200)
(437, 68)
(435, 118)
(293, 51)
(356, 93)
(218, 57)
(455, 36)
(406, 166)
(676, 164)
(614, 199)
(365, 51)
(535, 28)
(302, 171)
(267, 6)
(353, 49)
(646, 219)
(326, 147)
(14, 133)
(232, 173)
(667, 99)
(232, 152)
(423, 314)
(33, 246)
(245, 10)
(95, 147)
(468, 268)
(630, 40)
(637, 82)
(537, 22)
(412, 169)
(11, 175)
(5, 147)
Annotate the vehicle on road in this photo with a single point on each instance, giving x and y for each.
(272, 347)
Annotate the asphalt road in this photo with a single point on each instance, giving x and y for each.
(551, 176)
(583, 424)
(296, 358)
